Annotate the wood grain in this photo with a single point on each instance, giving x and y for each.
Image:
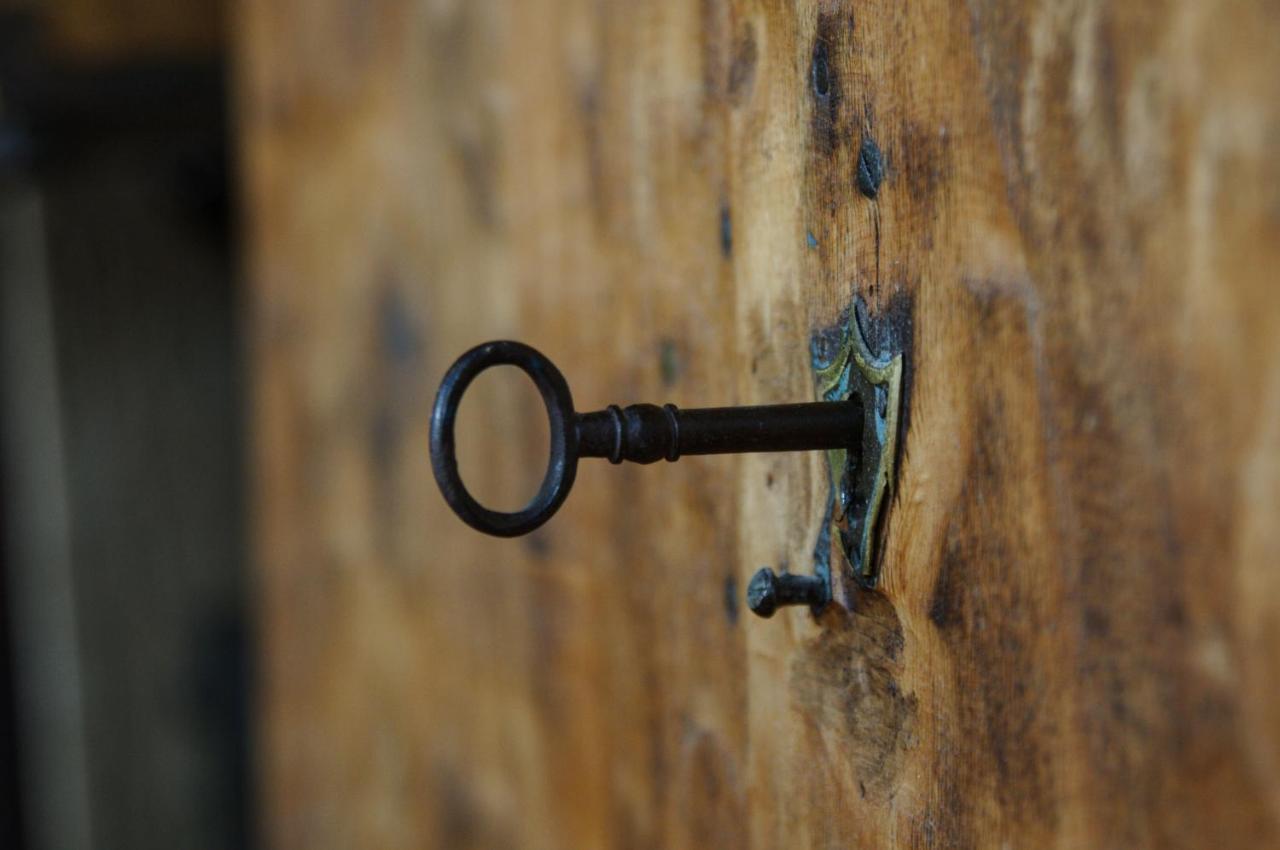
(1076, 233)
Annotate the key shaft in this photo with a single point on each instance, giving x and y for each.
(646, 433)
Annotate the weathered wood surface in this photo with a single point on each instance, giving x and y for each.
(1076, 640)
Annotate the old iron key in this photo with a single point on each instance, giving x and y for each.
(640, 433)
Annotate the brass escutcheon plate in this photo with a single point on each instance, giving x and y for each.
(862, 490)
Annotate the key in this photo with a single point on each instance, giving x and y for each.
(639, 433)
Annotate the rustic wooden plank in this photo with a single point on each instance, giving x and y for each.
(1075, 235)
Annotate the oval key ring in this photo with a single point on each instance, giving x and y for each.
(562, 465)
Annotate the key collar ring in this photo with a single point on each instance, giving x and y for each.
(562, 465)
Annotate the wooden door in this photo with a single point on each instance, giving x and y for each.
(1066, 214)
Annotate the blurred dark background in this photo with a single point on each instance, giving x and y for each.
(124, 680)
